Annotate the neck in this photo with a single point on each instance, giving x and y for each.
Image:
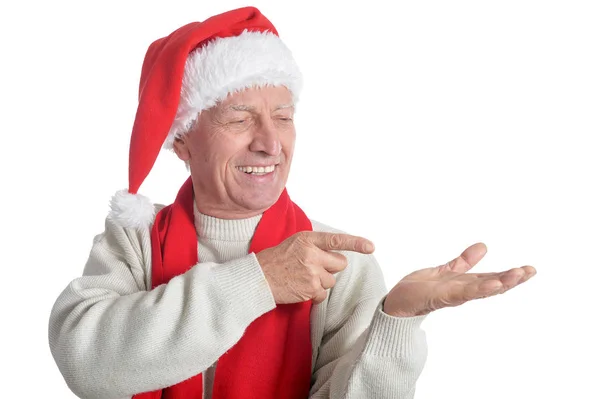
(227, 214)
(214, 228)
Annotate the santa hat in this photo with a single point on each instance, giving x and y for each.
(189, 71)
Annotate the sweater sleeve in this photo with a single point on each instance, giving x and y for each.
(365, 353)
(112, 337)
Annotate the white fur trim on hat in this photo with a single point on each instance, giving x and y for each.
(231, 64)
(131, 210)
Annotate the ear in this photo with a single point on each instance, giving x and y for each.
(181, 149)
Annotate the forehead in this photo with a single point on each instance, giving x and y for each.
(270, 96)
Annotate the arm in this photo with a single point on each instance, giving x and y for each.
(112, 338)
(365, 353)
(386, 359)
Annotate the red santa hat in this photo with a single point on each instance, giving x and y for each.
(191, 70)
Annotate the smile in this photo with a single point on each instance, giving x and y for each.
(256, 170)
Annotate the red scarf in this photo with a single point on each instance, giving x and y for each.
(273, 358)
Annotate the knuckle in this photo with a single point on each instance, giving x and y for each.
(315, 284)
(300, 237)
(334, 241)
(339, 265)
(330, 282)
(343, 262)
(313, 273)
(309, 256)
(320, 296)
(304, 255)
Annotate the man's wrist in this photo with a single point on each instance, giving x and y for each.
(399, 313)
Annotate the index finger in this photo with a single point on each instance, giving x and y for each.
(340, 242)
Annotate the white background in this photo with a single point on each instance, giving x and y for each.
(424, 126)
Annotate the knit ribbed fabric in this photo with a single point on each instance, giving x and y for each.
(111, 338)
(213, 229)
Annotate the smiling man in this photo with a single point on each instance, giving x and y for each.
(232, 291)
(241, 152)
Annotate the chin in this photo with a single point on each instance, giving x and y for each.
(263, 200)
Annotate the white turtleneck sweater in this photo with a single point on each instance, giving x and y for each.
(112, 336)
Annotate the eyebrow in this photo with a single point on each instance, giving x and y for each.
(283, 106)
(249, 108)
(236, 107)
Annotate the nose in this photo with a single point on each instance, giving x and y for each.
(266, 140)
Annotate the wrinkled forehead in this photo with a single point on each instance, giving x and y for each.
(257, 100)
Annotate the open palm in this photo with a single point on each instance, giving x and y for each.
(426, 290)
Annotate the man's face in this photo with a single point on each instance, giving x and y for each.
(250, 129)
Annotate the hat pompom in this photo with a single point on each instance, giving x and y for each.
(131, 210)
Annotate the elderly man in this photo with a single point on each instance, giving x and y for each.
(232, 291)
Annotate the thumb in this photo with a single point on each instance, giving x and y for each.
(467, 259)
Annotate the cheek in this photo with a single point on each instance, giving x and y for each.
(288, 142)
(224, 153)
(212, 150)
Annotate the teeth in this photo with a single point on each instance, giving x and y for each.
(256, 169)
